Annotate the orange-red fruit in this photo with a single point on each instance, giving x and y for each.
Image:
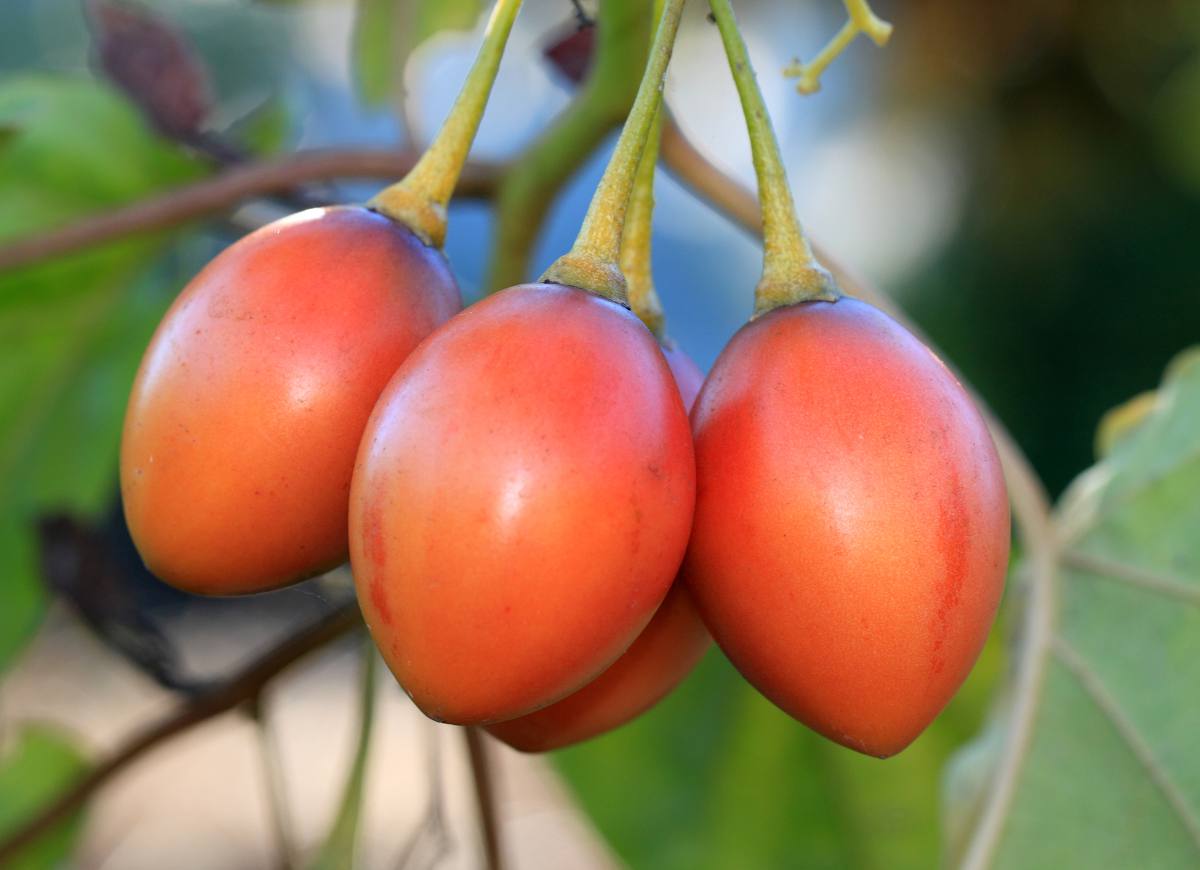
(688, 377)
(250, 403)
(663, 654)
(521, 503)
(852, 529)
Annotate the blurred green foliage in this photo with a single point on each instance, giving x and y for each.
(386, 33)
(72, 328)
(716, 777)
(1072, 279)
(33, 768)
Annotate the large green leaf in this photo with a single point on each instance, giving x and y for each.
(717, 777)
(386, 32)
(72, 328)
(37, 765)
(1102, 761)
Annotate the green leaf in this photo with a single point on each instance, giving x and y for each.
(737, 783)
(1122, 420)
(72, 328)
(1175, 118)
(1110, 774)
(81, 143)
(337, 853)
(265, 130)
(34, 769)
(375, 38)
(387, 32)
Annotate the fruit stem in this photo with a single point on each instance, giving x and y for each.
(593, 263)
(420, 199)
(534, 180)
(636, 263)
(790, 271)
(860, 19)
(636, 240)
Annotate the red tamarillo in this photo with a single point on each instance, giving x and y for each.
(852, 531)
(524, 490)
(250, 403)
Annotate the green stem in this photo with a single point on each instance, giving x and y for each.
(868, 22)
(636, 246)
(809, 74)
(419, 201)
(531, 185)
(338, 852)
(593, 261)
(272, 770)
(860, 19)
(790, 271)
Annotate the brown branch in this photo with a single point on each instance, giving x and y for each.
(225, 191)
(485, 796)
(239, 689)
(725, 193)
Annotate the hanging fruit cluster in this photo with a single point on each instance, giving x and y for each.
(541, 541)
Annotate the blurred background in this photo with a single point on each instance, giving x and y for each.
(1023, 179)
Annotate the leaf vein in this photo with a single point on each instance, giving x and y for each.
(1092, 685)
(1133, 575)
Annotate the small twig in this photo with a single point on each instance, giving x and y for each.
(224, 191)
(582, 19)
(274, 785)
(485, 796)
(429, 841)
(1091, 565)
(860, 18)
(242, 687)
(341, 843)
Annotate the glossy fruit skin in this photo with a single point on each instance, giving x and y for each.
(246, 414)
(521, 503)
(852, 527)
(664, 653)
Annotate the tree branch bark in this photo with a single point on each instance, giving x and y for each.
(226, 190)
(239, 689)
(485, 797)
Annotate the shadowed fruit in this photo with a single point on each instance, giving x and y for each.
(248, 408)
(521, 502)
(688, 377)
(663, 654)
(852, 531)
